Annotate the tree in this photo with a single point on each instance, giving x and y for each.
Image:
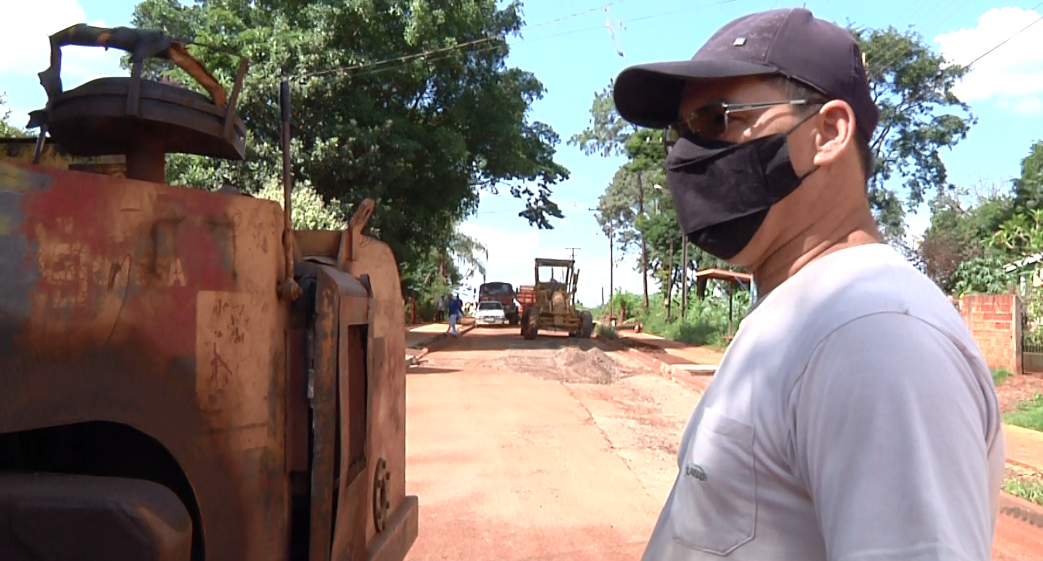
(438, 271)
(962, 230)
(6, 128)
(310, 212)
(1028, 189)
(982, 275)
(422, 134)
(609, 135)
(623, 208)
(468, 251)
(919, 116)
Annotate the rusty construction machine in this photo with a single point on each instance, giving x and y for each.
(555, 301)
(186, 377)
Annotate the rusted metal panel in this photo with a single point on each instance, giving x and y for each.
(322, 393)
(57, 516)
(297, 400)
(402, 530)
(154, 307)
(386, 436)
(323, 243)
(338, 295)
(54, 155)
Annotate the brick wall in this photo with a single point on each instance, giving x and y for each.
(995, 323)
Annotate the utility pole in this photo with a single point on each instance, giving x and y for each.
(573, 249)
(668, 143)
(644, 246)
(611, 262)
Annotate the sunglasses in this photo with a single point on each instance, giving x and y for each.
(711, 121)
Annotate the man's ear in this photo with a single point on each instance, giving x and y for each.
(835, 133)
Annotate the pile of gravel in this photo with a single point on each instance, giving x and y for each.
(571, 364)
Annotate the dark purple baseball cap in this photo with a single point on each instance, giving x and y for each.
(788, 42)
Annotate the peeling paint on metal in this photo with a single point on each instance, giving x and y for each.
(21, 180)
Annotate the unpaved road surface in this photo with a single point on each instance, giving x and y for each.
(553, 450)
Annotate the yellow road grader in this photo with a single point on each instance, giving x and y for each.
(555, 301)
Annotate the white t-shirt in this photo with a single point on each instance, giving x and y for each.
(852, 418)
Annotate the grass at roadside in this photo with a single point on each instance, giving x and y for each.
(607, 332)
(1029, 414)
(704, 324)
(999, 375)
(1023, 483)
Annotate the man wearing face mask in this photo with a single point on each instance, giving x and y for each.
(853, 416)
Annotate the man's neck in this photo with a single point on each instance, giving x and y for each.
(823, 238)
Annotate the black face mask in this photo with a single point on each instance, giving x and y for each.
(722, 191)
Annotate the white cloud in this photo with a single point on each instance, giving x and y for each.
(28, 25)
(510, 253)
(1013, 73)
(594, 277)
(1022, 105)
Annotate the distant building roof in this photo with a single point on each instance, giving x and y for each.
(1022, 263)
(721, 274)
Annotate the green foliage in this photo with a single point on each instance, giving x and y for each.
(607, 133)
(1029, 414)
(1028, 189)
(982, 275)
(705, 323)
(1022, 233)
(7, 130)
(310, 212)
(967, 247)
(606, 332)
(439, 271)
(999, 375)
(959, 233)
(423, 136)
(625, 306)
(919, 117)
(1027, 487)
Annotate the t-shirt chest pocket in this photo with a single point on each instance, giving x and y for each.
(715, 503)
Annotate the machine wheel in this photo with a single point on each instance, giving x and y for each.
(529, 325)
(513, 319)
(586, 324)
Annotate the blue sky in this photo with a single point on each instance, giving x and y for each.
(569, 46)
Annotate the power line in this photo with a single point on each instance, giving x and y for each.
(426, 53)
(1005, 41)
(401, 59)
(899, 51)
(484, 41)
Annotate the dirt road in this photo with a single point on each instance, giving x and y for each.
(553, 449)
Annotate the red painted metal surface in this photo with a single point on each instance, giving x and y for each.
(153, 307)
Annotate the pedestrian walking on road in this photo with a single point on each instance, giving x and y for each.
(456, 306)
(852, 416)
(440, 308)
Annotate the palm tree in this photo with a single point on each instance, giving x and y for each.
(469, 251)
(459, 248)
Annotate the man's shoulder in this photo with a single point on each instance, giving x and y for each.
(781, 335)
(853, 283)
